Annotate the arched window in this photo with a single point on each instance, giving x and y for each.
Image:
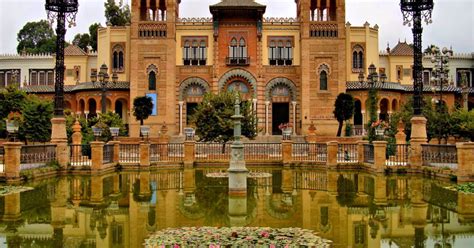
(323, 71)
(202, 53)
(233, 51)
(272, 53)
(357, 58)
(242, 48)
(118, 58)
(323, 80)
(186, 53)
(152, 72)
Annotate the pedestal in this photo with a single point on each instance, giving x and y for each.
(237, 171)
(418, 137)
(58, 129)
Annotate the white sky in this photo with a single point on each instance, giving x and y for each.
(453, 22)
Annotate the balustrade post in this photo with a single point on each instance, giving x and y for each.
(12, 158)
(465, 154)
(332, 148)
(62, 153)
(360, 150)
(189, 147)
(144, 154)
(287, 151)
(97, 155)
(418, 137)
(116, 157)
(380, 152)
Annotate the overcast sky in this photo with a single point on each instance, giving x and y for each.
(453, 22)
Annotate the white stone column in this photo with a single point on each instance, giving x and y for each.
(267, 103)
(180, 117)
(293, 104)
(254, 105)
(363, 122)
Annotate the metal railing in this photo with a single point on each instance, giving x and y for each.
(173, 152)
(310, 152)
(368, 153)
(108, 154)
(80, 155)
(262, 151)
(397, 155)
(347, 153)
(129, 153)
(237, 61)
(36, 156)
(212, 151)
(440, 155)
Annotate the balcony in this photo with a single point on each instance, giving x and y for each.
(238, 61)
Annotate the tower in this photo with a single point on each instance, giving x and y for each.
(322, 27)
(153, 59)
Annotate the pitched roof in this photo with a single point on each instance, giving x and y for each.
(237, 3)
(73, 50)
(353, 85)
(402, 49)
(74, 88)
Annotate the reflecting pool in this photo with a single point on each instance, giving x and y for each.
(123, 209)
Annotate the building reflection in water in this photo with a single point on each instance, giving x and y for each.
(353, 210)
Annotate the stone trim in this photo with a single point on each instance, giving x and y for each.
(238, 73)
(277, 82)
(190, 82)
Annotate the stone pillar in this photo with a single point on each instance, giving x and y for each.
(293, 104)
(97, 187)
(360, 150)
(465, 161)
(181, 118)
(144, 183)
(62, 153)
(418, 137)
(380, 151)
(144, 154)
(332, 148)
(189, 180)
(189, 147)
(58, 129)
(116, 158)
(11, 160)
(287, 180)
(363, 125)
(267, 104)
(97, 154)
(401, 137)
(287, 151)
(380, 197)
(465, 207)
(77, 139)
(11, 210)
(237, 210)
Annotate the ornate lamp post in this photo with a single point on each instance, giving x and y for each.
(372, 79)
(60, 11)
(103, 80)
(440, 76)
(414, 11)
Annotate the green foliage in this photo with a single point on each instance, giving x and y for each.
(462, 123)
(82, 41)
(36, 37)
(465, 187)
(213, 118)
(93, 35)
(86, 130)
(142, 108)
(11, 100)
(349, 129)
(346, 191)
(117, 15)
(372, 107)
(343, 109)
(37, 116)
(430, 49)
(105, 121)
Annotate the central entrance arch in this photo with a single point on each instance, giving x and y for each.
(281, 93)
(239, 80)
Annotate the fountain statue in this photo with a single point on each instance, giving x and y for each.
(237, 171)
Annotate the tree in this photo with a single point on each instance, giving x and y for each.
(37, 116)
(343, 109)
(462, 122)
(117, 15)
(82, 41)
(93, 35)
(142, 108)
(36, 37)
(431, 48)
(213, 118)
(372, 107)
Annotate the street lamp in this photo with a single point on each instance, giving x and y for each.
(114, 131)
(103, 78)
(97, 132)
(60, 11)
(372, 79)
(440, 75)
(414, 11)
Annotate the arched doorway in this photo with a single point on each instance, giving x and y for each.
(191, 93)
(281, 93)
(82, 106)
(384, 109)
(121, 108)
(394, 105)
(92, 108)
(358, 118)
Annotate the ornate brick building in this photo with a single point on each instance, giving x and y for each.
(290, 69)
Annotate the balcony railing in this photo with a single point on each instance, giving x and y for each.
(397, 155)
(35, 156)
(440, 156)
(240, 61)
(310, 152)
(368, 153)
(347, 153)
(80, 155)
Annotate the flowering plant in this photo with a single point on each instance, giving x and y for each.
(284, 126)
(14, 116)
(379, 124)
